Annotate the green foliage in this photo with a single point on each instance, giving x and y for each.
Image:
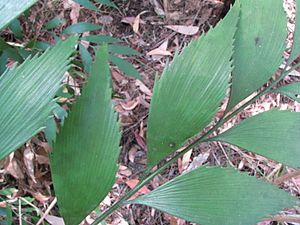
(9, 10)
(27, 93)
(295, 52)
(188, 94)
(291, 90)
(54, 23)
(84, 159)
(270, 134)
(80, 28)
(100, 39)
(248, 43)
(125, 66)
(258, 48)
(215, 195)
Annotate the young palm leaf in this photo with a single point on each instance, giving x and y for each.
(9, 10)
(291, 90)
(258, 47)
(84, 159)
(27, 93)
(187, 96)
(296, 44)
(274, 134)
(214, 196)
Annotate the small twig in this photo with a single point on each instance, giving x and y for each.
(20, 212)
(286, 218)
(47, 211)
(287, 177)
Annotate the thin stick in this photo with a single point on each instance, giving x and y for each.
(20, 212)
(287, 177)
(47, 211)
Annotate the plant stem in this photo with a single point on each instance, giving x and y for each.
(149, 176)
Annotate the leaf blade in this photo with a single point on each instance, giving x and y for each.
(271, 134)
(295, 52)
(259, 46)
(84, 160)
(32, 104)
(80, 28)
(291, 90)
(191, 90)
(217, 196)
(9, 10)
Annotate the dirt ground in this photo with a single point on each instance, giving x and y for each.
(142, 26)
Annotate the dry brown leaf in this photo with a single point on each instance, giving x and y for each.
(131, 154)
(132, 183)
(143, 87)
(28, 161)
(40, 197)
(187, 30)
(12, 167)
(136, 24)
(130, 105)
(54, 220)
(160, 51)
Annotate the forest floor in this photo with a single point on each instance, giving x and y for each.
(142, 26)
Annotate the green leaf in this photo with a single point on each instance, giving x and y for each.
(214, 196)
(16, 28)
(11, 51)
(9, 10)
(189, 93)
(27, 93)
(100, 39)
(80, 28)
(87, 4)
(295, 52)
(50, 131)
(274, 134)
(86, 58)
(84, 159)
(107, 3)
(122, 50)
(3, 62)
(259, 46)
(291, 90)
(54, 23)
(125, 67)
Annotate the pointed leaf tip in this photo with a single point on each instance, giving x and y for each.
(84, 159)
(273, 134)
(27, 91)
(214, 196)
(191, 89)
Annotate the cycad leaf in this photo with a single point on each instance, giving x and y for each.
(214, 196)
(125, 66)
(296, 44)
(290, 90)
(10, 10)
(259, 45)
(187, 96)
(84, 159)
(27, 93)
(100, 39)
(80, 28)
(274, 134)
(122, 50)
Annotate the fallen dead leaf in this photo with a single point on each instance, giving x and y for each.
(160, 51)
(130, 105)
(132, 183)
(54, 220)
(187, 30)
(143, 87)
